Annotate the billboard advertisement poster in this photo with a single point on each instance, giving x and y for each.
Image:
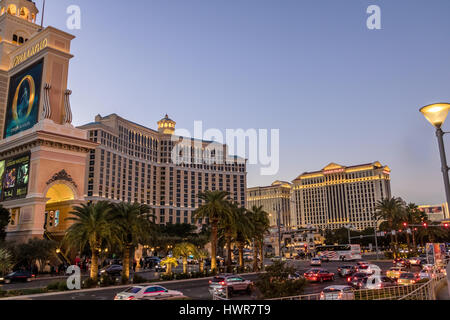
(23, 100)
(15, 179)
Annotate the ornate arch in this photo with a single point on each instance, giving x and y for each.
(64, 178)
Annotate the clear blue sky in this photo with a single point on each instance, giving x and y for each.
(337, 91)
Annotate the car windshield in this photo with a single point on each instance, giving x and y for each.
(133, 290)
(218, 279)
(407, 276)
(360, 275)
(331, 290)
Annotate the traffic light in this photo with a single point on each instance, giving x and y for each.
(446, 225)
(405, 224)
(425, 225)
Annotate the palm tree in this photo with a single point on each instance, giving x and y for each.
(6, 263)
(244, 231)
(201, 255)
(392, 211)
(134, 227)
(432, 233)
(169, 262)
(90, 226)
(214, 209)
(261, 224)
(414, 216)
(228, 224)
(184, 250)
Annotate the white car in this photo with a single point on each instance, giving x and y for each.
(316, 262)
(415, 261)
(147, 292)
(425, 274)
(338, 293)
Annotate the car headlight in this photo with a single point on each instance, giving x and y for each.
(2, 279)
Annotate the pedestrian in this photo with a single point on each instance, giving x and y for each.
(141, 263)
(134, 265)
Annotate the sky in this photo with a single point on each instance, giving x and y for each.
(337, 91)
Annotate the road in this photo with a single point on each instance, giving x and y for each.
(198, 289)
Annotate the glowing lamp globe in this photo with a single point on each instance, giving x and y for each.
(436, 114)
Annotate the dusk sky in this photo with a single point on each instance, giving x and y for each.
(337, 91)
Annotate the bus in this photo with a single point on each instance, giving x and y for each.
(348, 252)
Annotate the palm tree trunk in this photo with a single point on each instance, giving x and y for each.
(202, 266)
(169, 269)
(214, 246)
(228, 237)
(255, 255)
(261, 255)
(126, 263)
(414, 241)
(185, 265)
(241, 254)
(94, 265)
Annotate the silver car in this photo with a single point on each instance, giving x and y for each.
(338, 293)
(226, 285)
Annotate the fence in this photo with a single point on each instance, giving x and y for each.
(422, 291)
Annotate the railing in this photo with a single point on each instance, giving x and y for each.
(422, 291)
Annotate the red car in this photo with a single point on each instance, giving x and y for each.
(318, 275)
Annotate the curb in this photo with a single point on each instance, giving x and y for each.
(111, 288)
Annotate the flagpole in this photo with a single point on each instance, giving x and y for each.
(43, 12)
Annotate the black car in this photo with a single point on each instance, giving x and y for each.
(112, 270)
(155, 263)
(356, 280)
(17, 276)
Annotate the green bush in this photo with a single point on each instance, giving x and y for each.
(138, 279)
(3, 293)
(167, 277)
(53, 286)
(182, 276)
(89, 283)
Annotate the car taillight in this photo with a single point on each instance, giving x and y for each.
(322, 295)
(131, 298)
(349, 279)
(222, 283)
(210, 281)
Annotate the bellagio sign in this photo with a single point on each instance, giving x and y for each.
(30, 52)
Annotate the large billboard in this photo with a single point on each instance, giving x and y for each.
(23, 100)
(15, 179)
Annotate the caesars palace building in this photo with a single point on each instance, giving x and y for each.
(47, 166)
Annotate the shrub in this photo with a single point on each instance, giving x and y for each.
(167, 277)
(182, 276)
(275, 282)
(138, 279)
(3, 293)
(89, 283)
(53, 286)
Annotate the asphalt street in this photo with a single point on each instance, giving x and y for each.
(198, 289)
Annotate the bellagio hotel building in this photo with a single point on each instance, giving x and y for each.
(135, 164)
(338, 196)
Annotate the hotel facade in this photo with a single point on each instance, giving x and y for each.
(339, 196)
(275, 200)
(133, 163)
(42, 155)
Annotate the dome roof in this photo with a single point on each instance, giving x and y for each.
(166, 125)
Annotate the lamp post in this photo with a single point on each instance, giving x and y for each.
(436, 114)
(349, 227)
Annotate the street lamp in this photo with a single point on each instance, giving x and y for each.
(436, 114)
(349, 227)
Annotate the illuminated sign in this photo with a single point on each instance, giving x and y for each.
(16, 177)
(32, 51)
(23, 101)
(334, 171)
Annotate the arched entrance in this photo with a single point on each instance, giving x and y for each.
(61, 199)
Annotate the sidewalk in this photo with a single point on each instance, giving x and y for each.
(443, 294)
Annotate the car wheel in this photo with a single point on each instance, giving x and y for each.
(332, 278)
(230, 292)
(321, 280)
(249, 290)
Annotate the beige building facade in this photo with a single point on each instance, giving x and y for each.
(275, 200)
(42, 156)
(338, 196)
(134, 163)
